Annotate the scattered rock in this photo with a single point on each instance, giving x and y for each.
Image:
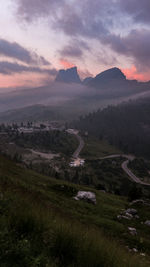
(147, 223)
(135, 250)
(140, 201)
(142, 254)
(128, 214)
(131, 211)
(119, 217)
(87, 196)
(102, 191)
(132, 230)
(137, 201)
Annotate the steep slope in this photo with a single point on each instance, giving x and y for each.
(41, 224)
(68, 76)
(115, 81)
(31, 113)
(126, 126)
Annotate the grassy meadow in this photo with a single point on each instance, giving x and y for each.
(42, 225)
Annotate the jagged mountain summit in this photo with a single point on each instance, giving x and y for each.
(86, 80)
(112, 75)
(68, 76)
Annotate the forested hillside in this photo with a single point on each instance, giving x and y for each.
(126, 126)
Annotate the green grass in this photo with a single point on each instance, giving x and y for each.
(95, 148)
(42, 225)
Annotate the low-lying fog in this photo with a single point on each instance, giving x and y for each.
(62, 95)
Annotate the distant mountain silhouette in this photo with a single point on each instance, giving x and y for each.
(106, 77)
(68, 76)
(86, 80)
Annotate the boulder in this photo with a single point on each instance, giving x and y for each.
(132, 230)
(143, 254)
(131, 211)
(140, 201)
(147, 223)
(87, 196)
(119, 217)
(137, 201)
(129, 215)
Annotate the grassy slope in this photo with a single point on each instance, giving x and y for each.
(95, 148)
(42, 225)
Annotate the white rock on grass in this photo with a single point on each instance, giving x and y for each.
(147, 223)
(131, 211)
(137, 201)
(132, 230)
(129, 215)
(140, 201)
(135, 250)
(87, 196)
(143, 254)
(119, 217)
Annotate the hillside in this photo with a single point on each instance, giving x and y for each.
(31, 113)
(42, 225)
(67, 98)
(126, 126)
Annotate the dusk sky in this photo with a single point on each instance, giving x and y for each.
(39, 37)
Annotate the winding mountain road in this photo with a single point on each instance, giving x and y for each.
(79, 148)
(124, 166)
(80, 140)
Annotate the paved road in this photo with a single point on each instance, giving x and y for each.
(79, 148)
(80, 140)
(125, 167)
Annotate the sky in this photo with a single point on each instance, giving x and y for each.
(39, 37)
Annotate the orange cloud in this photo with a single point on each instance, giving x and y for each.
(66, 64)
(22, 80)
(132, 74)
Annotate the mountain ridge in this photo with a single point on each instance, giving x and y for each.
(68, 76)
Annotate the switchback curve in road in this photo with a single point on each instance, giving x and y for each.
(124, 166)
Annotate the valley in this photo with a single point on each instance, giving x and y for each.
(45, 165)
(75, 133)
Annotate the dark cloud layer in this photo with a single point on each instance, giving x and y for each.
(138, 9)
(31, 9)
(98, 20)
(9, 68)
(135, 45)
(16, 51)
(75, 49)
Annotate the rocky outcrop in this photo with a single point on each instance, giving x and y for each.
(87, 196)
(131, 211)
(132, 230)
(107, 77)
(86, 80)
(147, 223)
(68, 76)
(128, 214)
(140, 202)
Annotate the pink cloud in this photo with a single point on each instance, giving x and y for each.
(133, 74)
(66, 64)
(22, 80)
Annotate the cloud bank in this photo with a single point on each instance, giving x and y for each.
(16, 51)
(119, 25)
